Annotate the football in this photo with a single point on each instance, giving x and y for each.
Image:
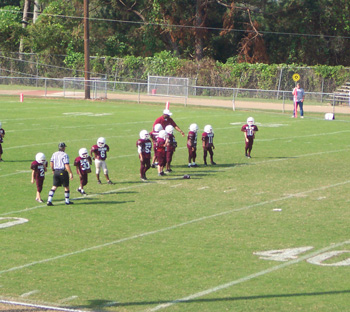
(187, 176)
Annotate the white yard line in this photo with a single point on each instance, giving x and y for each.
(246, 278)
(39, 306)
(137, 236)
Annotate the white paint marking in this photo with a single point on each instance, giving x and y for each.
(176, 185)
(122, 240)
(68, 299)
(247, 278)
(29, 293)
(12, 223)
(277, 209)
(39, 306)
(203, 188)
(230, 190)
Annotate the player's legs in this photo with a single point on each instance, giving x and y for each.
(211, 153)
(98, 169)
(51, 193)
(301, 106)
(105, 171)
(1, 152)
(39, 188)
(205, 153)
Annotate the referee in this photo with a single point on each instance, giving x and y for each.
(61, 173)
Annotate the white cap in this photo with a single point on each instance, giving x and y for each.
(167, 112)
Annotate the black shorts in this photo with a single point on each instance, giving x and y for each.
(61, 178)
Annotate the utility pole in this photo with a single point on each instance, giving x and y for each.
(86, 50)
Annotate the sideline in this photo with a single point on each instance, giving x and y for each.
(175, 226)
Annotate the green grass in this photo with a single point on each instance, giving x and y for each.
(134, 246)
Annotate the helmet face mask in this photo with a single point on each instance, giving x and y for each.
(158, 127)
(83, 153)
(40, 158)
(101, 142)
(169, 129)
(208, 129)
(194, 127)
(144, 135)
(250, 121)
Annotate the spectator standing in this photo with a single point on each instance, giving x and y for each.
(298, 95)
(62, 173)
(2, 135)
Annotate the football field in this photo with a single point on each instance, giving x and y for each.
(270, 233)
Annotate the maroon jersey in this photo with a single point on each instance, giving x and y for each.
(192, 139)
(39, 170)
(165, 122)
(83, 164)
(250, 130)
(160, 145)
(144, 147)
(154, 135)
(100, 152)
(2, 134)
(208, 139)
(172, 144)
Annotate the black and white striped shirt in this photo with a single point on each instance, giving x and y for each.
(59, 160)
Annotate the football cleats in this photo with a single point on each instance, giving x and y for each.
(162, 134)
(208, 129)
(169, 129)
(83, 153)
(194, 127)
(40, 158)
(158, 127)
(101, 142)
(144, 134)
(250, 121)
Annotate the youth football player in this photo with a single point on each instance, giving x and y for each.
(98, 152)
(39, 167)
(83, 165)
(144, 148)
(249, 130)
(208, 144)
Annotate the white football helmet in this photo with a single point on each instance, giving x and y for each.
(162, 134)
(83, 153)
(144, 134)
(40, 158)
(101, 142)
(208, 129)
(169, 129)
(194, 127)
(158, 127)
(250, 121)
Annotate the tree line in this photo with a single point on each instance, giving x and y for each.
(305, 32)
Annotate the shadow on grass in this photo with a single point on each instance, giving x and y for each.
(105, 303)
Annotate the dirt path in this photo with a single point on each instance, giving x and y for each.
(196, 101)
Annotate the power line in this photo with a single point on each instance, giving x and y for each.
(186, 26)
